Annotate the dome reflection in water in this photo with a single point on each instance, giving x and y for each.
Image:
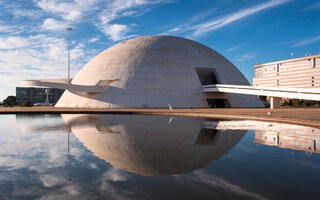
(156, 157)
(152, 145)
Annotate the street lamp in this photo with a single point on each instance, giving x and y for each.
(68, 178)
(69, 29)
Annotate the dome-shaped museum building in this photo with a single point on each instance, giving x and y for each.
(155, 72)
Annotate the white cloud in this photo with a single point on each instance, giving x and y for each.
(51, 180)
(73, 15)
(39, 56)
(23, 13)
(53, 25)
(68, 10)
(9, 81)
(117, 9)
(93, 166)
(115, 175)
(114, 10)
(116, 32)
(305, 41)
(13, 162)
(217, 23)
(175, 29)
(41, 53)
(94, 39)
(77, 52)
(245, 57)
(108, 190)
(217, 183)
(13, 42)
(235, 48)
(7, 28)
(72, 189)
(313, 6)
(214, 24)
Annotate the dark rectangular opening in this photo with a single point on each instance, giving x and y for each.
(218, 103)
(207, 136)
(207, 76)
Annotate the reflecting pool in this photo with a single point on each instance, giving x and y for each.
(156, 157)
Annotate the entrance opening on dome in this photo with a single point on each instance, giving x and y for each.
(207, 136)
(218, 103)
(207, 76)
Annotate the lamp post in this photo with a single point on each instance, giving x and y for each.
(69, 29)
(68, 178)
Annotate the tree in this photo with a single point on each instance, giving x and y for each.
(10, 101)
(27, 104)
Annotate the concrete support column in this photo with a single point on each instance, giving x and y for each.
(275, 102)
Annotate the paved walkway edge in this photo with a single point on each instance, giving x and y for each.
(182, 112)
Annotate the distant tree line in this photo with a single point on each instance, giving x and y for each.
(11, 101)
(298, 102)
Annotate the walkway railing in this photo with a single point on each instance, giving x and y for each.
(295, 93)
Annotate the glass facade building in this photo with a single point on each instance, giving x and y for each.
(37, 95)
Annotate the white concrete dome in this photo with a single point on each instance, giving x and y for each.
(155, 71)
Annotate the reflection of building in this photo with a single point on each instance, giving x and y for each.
(306, 140)
(275, 134)
(37, 95)
(152, 145)
(299, 73)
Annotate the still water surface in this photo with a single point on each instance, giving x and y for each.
(155, 157)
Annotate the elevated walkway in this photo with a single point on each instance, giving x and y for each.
(66, 84)
(275, 93)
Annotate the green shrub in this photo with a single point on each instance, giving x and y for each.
(10, 101)
(27, 104)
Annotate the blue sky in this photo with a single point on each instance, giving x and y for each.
(33, 39)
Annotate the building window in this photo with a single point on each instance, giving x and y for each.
(314, 62)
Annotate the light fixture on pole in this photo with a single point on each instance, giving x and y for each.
(68, 178)
(69, 29)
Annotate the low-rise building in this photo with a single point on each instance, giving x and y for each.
(296, 73)
(37, 95)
